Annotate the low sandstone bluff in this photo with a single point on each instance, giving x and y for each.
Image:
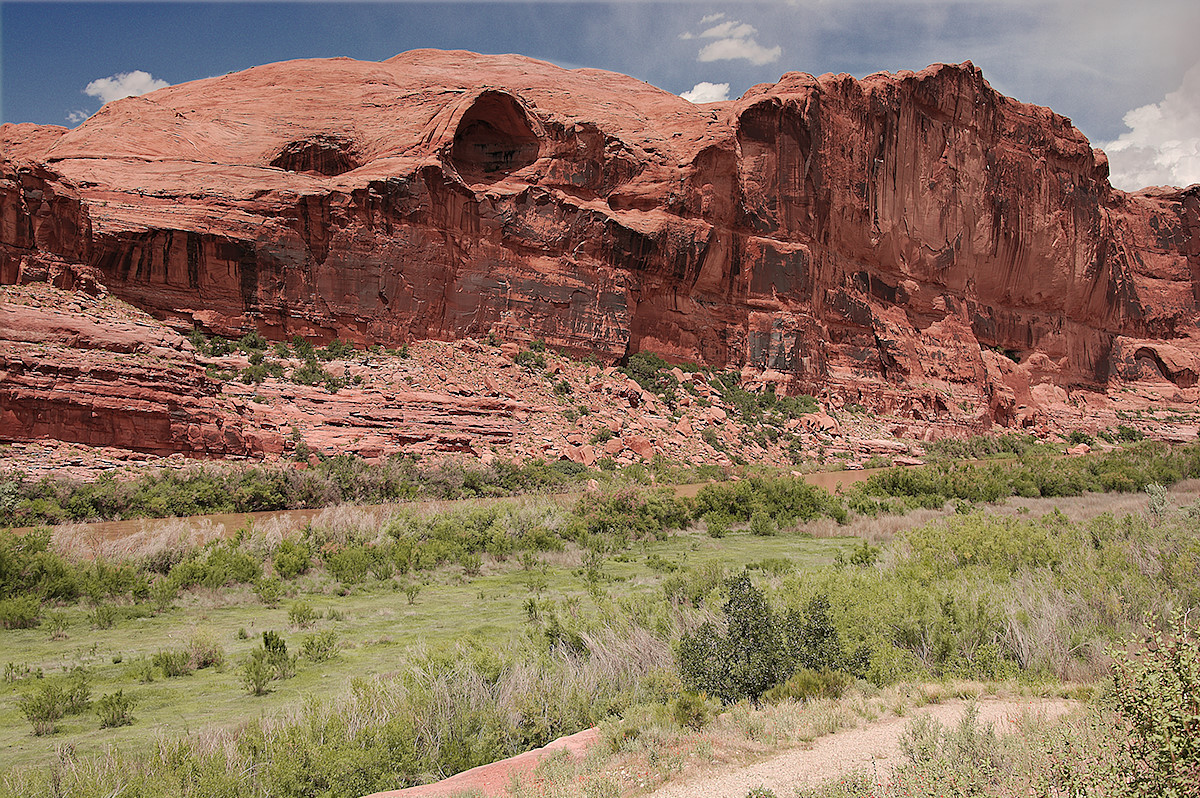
(915, 243)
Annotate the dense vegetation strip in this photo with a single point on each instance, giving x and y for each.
(976, 595)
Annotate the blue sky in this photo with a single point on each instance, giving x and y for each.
(1092, 60)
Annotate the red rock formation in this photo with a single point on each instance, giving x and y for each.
(130, 385)
(896, 241)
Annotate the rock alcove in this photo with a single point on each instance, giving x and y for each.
(324, 154)
(493, 139)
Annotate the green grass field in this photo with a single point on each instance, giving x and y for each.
(374, 622)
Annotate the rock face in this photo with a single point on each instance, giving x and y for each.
(916, 243)
(77, 373)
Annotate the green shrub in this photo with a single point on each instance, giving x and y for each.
(291, 558)
(743, 659)
(691, 711)
(269, 590)
(115, 709)
(78, 691)
(204, 652)
(763, 525)
(1157, 693)
(806, 684)
(717, 525)
(44, 707)
(757, 648)
(20, 612)
(349, 565)
(257, 674)
(301, 615)
(173, 663)
(530, 361)
(411, 591)
(103, 616)
(1126, 434)
(320, 646)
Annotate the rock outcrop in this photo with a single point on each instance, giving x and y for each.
(916, 243)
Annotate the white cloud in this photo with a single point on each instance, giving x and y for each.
(704, 92)
(123, 84)
(1162, 146)
(75, 117)
(733, 40)
(733, 49)
(731, 29)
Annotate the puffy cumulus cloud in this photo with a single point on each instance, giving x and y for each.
(704, 92)
(1162, 147)
(123, 84)
(75, 117)
(732, 40)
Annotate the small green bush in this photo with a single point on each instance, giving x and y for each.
(301, 615)
(20, 612)
(320, 646)
(291, 558)
(205, 652)
(173, 664)
(763, 525)
(103, 616)
(530, 361)
(691, 711)
(1157, 692)
(115, 709)
(269, 590)
(806, 684)
(44, 707)
(256, 675)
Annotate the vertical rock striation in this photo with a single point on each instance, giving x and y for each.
(916, 242)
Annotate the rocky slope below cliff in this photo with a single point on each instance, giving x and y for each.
(916, 244)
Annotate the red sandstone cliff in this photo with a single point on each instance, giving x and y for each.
(896, 241)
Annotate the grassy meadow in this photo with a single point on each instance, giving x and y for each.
(357, 654)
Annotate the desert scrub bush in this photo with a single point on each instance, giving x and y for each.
(627, 514)
(268, 662)
(43, 707)
(758, 648)
(692, 711)
(716, 525)
(530, 361)
(216, 565)
(349, 565)
(173, 664)
(301, 615)
(762, 525)
(103, 616)
(291, 558)
(806, 684)
(115, 709)
(1156, 691)
(269, 590)
(205, 652)
(320, 646)
(20, 612)
(256, 675)
(785, 499)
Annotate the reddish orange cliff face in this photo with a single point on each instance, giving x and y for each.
(902, 241)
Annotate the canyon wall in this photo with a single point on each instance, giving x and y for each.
(915, 242)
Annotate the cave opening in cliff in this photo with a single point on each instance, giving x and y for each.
(494, 138)
(324, 154)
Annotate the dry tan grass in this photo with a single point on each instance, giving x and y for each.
(874, 530)
(148, 537)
